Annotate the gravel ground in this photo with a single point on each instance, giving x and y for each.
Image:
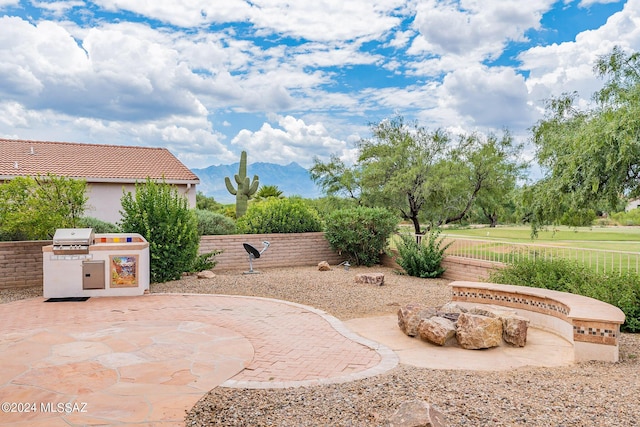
(586, 394)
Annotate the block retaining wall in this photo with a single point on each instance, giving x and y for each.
(457, 268)
(286, 250)
(21, 262)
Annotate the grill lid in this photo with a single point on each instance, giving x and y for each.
(72, 240)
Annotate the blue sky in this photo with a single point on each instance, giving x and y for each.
(289, 81)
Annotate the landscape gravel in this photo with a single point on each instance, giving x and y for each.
(585, 394)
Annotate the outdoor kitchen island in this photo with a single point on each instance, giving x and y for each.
(80, 264)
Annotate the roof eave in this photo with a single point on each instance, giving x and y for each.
(90, 180)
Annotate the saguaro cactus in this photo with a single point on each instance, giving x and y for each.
(245, 189)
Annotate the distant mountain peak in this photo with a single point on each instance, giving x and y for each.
(291, 179)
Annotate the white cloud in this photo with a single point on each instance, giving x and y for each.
(192, 13)
(321, 20)
(589, 3)
(567, 67)
(488, 97)
(58, 8)
(7, 3)
(293, 141)
(474, 30)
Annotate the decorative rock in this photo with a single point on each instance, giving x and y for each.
(449, 316)
(410, 316)
(491, 311)
(475, 332)
(370, 278)
(416, 413)
(452, 307)
(206, 274)
(515, 330)
(324, 266)
(514, 327)
(436, 330)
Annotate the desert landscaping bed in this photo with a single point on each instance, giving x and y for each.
(593, 393)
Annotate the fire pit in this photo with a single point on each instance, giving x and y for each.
(80, 263)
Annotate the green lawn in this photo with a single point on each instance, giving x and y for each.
(610, 238)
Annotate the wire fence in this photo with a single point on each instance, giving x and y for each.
(599, 260)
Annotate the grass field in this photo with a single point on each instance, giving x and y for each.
(602, 248)
(610, 238)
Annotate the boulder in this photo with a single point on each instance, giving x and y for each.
(491, 311)
(514, 327)
(476, 332)
(514, 330)
(416, 413)
(324, 266)
(437, 330)
(452, 307)
(449, 316)
(370, 278)
(410, 316)
(206, 274)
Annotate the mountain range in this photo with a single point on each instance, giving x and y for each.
(292, 180)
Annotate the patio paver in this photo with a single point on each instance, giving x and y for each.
(145, 360)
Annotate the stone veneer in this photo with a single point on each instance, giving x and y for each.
(589, 322)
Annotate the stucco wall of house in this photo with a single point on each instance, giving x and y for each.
(104, 199)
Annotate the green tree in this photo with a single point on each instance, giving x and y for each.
(207, 203)
(337, 179)
(159, 213)
(478, 171)
(33, 207)
(590, 156)
(396, 164)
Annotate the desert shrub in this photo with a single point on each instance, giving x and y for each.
(159, 213)
(619, 289)
(578, 217)
(361, 234)
(424, 258)
(212, 223)
(274, 215)
(204, 261)
(98, 225)
(631, 217)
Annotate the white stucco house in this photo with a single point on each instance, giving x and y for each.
(108, 169)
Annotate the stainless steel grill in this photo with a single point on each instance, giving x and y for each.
(72, 241)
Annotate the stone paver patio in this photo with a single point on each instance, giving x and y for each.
(145, 360)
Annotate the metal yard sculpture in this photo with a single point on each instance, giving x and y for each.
(246, 188)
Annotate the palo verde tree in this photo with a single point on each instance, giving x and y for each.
(590, 157)
(33, 207)
(396, 164)
(480, 171)
(337, 179)
(423, 174)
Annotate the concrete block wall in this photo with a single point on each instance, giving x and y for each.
(21, 264)
(468, 269)
(458, 268)
(286, 250)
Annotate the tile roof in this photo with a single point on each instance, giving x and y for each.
(93, 162)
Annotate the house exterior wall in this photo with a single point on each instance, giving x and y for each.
(104, 199)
